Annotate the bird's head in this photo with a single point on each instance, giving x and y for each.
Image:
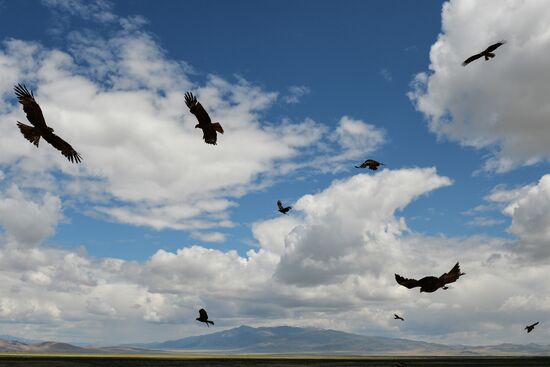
(51, 130)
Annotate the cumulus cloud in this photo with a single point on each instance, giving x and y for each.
(357, 137)
(346, 229)
(119, 100)
(529, 208)
(26, 221)
(500, 104)
(328, 265)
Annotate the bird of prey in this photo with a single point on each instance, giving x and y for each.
(203, 317)
(281, 208)
(530, 328)
(397, 317)
(208, 128)
(370, 164)
(40, 129)
(431, 284)
(488, 53)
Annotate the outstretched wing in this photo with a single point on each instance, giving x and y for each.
(535, 324)
(472, 58)
(65, 148)
(203, 314)
(31, 108)
(196, 109)
(409, 283)
(495, 46)
(280, 205)
(452, 275)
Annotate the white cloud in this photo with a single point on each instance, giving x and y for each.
(119, 101)
(25, 221)
(295, 94)
(529, 208)
(99, 10)
(209, 236)
(498, 104)
(350, 225)
(357, 138)
(328, 264)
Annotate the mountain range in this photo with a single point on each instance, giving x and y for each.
(283, 340)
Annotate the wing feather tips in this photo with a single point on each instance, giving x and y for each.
(218, 127)
(408, 283)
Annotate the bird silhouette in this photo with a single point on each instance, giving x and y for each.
(205, 123)
(40, 129)
(431, 283)
(488, 53)
(283, 209)
(203, 317)
(530, 328)
(397, 317)
(370, 164)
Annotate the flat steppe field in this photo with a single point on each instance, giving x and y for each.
(133, 360)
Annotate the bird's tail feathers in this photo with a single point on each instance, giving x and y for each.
(30, 133)
(218, 127)
(209, 322)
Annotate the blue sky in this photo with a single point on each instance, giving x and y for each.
(305, 90)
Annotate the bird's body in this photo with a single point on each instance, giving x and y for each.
(397, 317)
(430, 284)
(487, 53)
(209, 129)
(203, 317)
(39, 128)
(282, 209)
(370, 164)
(530, 328)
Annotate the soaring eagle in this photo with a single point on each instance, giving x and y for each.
(397, 317)
(40, 129)
(208, 128)
(488, 53)
(431, 284)
(282, 209)
(371, 164)
(530, 328)
(203, 317)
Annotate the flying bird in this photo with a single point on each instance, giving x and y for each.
(40, 129)
(203, 317)
(281, 208)
(205, 123)
(431, 283)
(370, 164)
(488, 53)
(397, 317)
(530, 328)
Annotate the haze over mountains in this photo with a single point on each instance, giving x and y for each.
(282, 340)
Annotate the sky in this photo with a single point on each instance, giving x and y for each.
(155, 224)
